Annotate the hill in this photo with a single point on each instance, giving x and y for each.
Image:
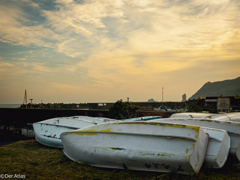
(224, 88)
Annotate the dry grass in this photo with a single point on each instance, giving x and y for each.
(36, 161)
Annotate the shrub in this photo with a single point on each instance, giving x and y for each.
(123, 110)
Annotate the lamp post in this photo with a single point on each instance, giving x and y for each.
(162, 95)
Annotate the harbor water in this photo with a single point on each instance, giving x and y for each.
(10, 105)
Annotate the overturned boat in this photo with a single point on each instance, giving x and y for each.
(218, 147)
(233, 116)
(232, 128)
(48, 132)
(225, 117)
(188, 115)
(145, 146)
(145, 118)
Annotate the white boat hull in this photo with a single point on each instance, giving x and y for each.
(225, 117)
(158, 147)
(218, 148)
(232, 128)
(48, 132)
(188, 115)
(232, 116)
(145, 118)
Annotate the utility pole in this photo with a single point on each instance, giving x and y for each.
(162, 95)
(25, 98)
(31, 102)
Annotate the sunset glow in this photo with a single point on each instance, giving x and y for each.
(77, 51)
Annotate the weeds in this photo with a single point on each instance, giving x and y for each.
(36, 161)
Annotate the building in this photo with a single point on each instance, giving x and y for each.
(222, 103)
(184, 98)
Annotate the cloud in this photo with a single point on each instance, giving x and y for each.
(34, 5)
(121, 69)
(22, 68)
(13, 30)
(143, 25)
(5, 64)
(119, 46)
(66, 88)
(81, 18)
(232, 43)
(70, 48)
(188, 26)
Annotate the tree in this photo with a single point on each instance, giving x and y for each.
(194, 107)
(122, 110)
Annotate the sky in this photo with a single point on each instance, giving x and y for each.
(82, 51)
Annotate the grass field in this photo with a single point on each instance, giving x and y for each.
(36, 161)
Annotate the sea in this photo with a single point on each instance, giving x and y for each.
(10, 105)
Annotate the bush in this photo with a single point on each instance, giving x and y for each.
(194, 107)
(123, 110)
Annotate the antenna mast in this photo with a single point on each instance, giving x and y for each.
(25, 98)
(162, 95)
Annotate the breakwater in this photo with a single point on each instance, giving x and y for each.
(104, 105)
(21, 117)
(15, 121)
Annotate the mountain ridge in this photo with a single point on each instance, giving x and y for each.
(219, 88)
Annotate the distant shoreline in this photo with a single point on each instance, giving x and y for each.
(10, 105)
